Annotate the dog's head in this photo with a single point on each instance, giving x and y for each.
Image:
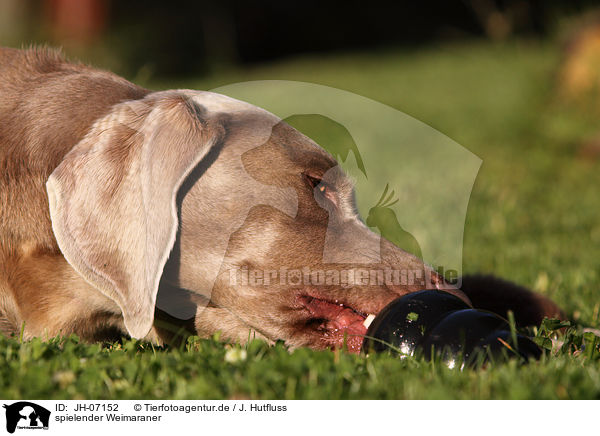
(198, 191)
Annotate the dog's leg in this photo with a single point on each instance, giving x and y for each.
(499, 296)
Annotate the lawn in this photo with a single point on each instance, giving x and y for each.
(533, 217)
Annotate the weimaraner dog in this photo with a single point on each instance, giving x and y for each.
(131, 212)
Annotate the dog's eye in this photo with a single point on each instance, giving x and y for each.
(315, 182)
(321, 187)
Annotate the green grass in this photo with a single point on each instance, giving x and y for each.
(207, 368)
(533, 218)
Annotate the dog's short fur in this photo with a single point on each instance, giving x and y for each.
(122, 211)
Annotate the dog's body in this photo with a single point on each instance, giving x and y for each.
(35, 278)
(111, 194)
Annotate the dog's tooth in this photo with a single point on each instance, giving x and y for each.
(368, 320)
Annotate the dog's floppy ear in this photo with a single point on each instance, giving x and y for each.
(113, 197)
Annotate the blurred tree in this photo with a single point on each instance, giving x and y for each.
(76, 22)
(18, 21)
(195, 37)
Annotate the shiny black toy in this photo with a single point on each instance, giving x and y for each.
(433, 321)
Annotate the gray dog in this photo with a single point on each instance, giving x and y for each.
(125, 211)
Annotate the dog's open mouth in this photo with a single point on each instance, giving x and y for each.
(339, 325)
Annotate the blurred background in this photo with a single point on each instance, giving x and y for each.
(516, 82)
(190, 38)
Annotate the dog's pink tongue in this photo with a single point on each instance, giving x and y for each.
(342, 323)
(347, 327)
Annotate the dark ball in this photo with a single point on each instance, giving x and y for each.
(437, 323)
(405, 322)
(457, 336)
(500, 344)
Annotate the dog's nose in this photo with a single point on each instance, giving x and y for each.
(411, 274)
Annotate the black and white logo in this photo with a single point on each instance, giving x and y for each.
(26, 415)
